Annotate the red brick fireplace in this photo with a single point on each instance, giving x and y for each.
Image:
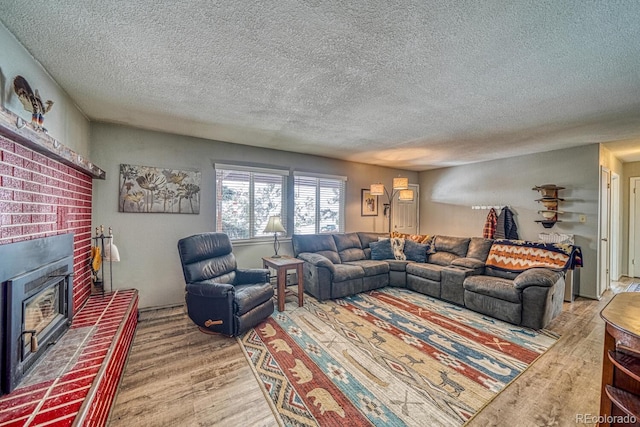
(41, 197)
(46, 192)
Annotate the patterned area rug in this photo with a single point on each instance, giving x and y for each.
(390, 357)
(634, 287)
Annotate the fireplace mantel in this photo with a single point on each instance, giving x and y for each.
(19, 130)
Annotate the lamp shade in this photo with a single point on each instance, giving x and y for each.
(405, 195)
(111, 252)
(400, 183)
(376, 189)
(274, 225)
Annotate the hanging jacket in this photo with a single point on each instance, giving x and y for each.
(506, 227)
(490, 225)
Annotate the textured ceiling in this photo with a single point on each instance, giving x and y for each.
(411, 84)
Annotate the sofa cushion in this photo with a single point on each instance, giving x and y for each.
(495, 287)
(454, 245)
(349, 247)
(371, 267)
(397, 265)
(322, 244)
(381, 250)
(479, 248)
(344, 272)
(415, 251)
(489, 271)
(366, 238)
(442, 258)
(472, 263)
(426, 271)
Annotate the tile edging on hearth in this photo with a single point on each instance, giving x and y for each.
(83, 417)
(18, 130)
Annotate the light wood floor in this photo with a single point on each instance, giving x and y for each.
(178, 376)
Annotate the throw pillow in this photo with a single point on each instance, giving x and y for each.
(381, 250)
(418, 238)
(415, 251)
(397, 245)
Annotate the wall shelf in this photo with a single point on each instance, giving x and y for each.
(19, 130)
(549, 200)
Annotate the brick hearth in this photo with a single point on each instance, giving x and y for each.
(76, 382)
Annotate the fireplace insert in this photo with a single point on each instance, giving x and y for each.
(36, 301)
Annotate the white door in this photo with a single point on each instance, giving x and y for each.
(634, 227)
(405, 213)
(603, 227)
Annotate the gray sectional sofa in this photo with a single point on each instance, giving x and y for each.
(453, 269)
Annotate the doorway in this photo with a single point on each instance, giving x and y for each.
(405, 212)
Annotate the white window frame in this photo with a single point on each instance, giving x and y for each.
(341, 226)
(251, 170)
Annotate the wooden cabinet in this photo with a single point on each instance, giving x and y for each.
(549, 201)
(620, 391)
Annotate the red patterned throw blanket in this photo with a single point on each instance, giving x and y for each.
(520, 255)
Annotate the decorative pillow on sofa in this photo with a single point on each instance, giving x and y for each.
(418, 238)
(381, 250)
(415, 251)
(397, 246)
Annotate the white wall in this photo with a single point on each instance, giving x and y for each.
(65, 121)
(447, 196)
(147, 242)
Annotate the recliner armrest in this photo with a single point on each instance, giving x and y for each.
(210, 290)
(317, 260)
(252, 275)
(536, 277)
(472, 263)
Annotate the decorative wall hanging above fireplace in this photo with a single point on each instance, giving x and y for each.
(151, 189)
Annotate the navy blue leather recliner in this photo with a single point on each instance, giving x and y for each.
(220, 297)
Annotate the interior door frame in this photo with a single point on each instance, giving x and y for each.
(634, 182)
(615, 241)
(604, 205)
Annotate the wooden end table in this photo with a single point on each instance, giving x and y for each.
(282, 265)
(621, 361)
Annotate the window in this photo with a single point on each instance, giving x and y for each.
(318, 203)
(245, 199)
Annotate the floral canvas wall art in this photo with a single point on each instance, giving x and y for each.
(153, 189)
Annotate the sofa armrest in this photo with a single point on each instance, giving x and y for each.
(209, 289)
(317, 260)
(252, 275)
(536, 277)
(471, 263)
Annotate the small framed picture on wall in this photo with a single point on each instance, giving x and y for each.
(368, 203)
